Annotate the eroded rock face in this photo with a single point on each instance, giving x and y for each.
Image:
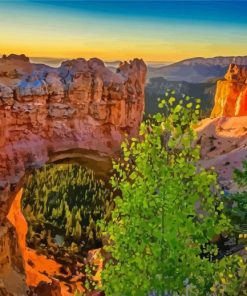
(80, 110)
(231, 93)
(223, 146)
(223, 137)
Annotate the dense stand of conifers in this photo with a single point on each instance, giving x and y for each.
(65, 199)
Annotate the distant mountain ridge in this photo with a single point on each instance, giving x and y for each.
(196, 70)
(192, 70)
(219, 60)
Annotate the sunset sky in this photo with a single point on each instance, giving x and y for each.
(113, 30)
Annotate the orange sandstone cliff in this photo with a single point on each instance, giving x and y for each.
(231, 93)
(80, 111)
(223, 137)
(41, 273)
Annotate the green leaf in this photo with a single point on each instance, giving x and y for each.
(189, 105)
(171, 100)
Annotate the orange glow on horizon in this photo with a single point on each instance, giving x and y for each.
(174, 53)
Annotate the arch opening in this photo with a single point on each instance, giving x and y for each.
(55, 215)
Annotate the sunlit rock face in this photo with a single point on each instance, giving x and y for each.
(80, 110)
(231, 93)
(223, 137)
(45, 111)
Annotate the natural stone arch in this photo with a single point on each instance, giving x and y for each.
(17, 225)
(80, 111)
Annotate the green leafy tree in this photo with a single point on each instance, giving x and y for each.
(169, 210)
(236, 204)
(230, 277)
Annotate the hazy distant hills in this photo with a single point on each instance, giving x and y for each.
(196, 70)
(195, 77)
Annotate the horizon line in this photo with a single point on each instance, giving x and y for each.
(121, 60)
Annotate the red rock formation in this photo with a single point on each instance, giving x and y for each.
(80, 110)
(224, 137)
(41, 271)
(231, 93)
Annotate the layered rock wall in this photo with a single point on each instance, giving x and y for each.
(80, 105)
(80, 110)
(231, 93)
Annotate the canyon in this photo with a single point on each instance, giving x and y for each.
(81, 112)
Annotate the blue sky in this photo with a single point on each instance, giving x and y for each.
(154, 30)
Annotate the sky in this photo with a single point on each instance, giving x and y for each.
(121, 30)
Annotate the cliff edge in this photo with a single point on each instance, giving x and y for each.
(231, 93)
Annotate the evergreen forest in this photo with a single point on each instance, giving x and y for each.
(62, 204)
